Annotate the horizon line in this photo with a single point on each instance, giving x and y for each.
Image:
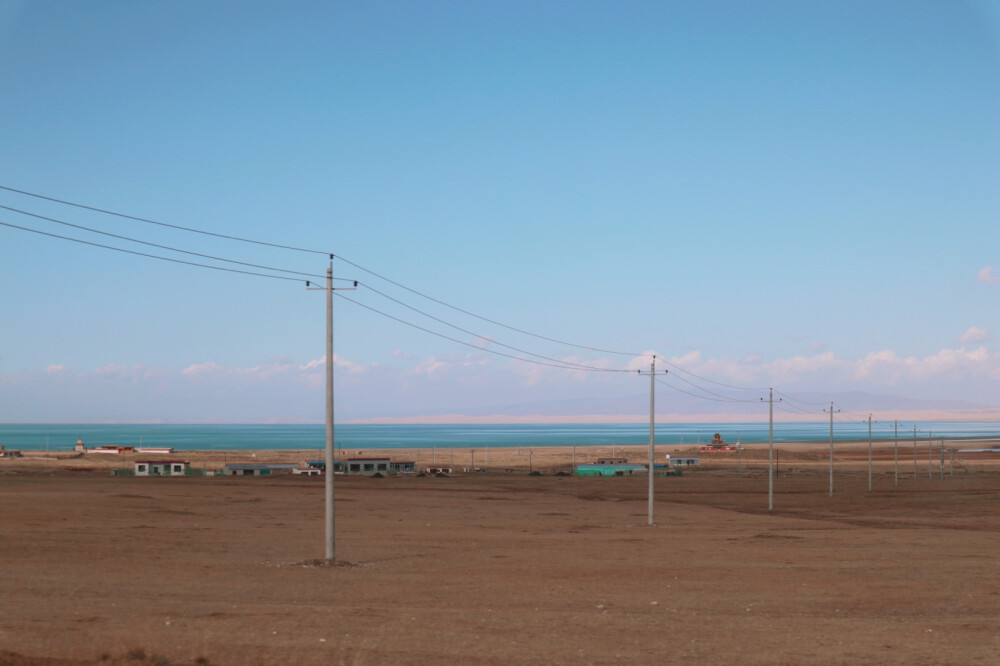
(988, 414)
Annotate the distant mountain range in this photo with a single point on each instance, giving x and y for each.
(793, 406)
(669, 402)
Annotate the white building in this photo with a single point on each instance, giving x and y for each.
(160, 467)
(368, 466)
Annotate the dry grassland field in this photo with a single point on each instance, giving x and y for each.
(504, 568)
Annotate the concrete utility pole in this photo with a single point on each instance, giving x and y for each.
(331, 552)
(652, 430)
(739, 452)
(831, 446)
(331, 538)
(930, 455)
(869, 452)
(652, 434)
(770, 449)
(895, 448)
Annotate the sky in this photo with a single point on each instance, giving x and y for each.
(796, 195)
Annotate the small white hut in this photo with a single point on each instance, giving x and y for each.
(160, 467)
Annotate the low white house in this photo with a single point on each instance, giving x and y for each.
(157, 450)
(368, 466)
(258, 469)
(160, 467)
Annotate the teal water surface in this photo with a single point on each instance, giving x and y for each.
(370, 436)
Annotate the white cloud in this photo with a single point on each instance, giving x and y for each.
(888, 368)
(399, 353)
(203, 369)
(130, 372)
(429, 366)
(531, 373)
(275, 367)
(826, 371)
(973, 335)
(642, 361)
(352, 367)
(456, 366)
(471, 361)
(792, 369)
(315, 363)
(280, 389)
(741, 372)
(986, 275)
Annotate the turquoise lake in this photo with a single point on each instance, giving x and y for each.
(39, 437)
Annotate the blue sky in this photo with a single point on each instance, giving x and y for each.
(804, 195)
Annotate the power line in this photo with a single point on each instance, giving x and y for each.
(162, 224)
(694, 395)
(724, 398)
(151, 256)
(846, 418)
(566, 364)
(163, 247)
(299, 249)
(491, 321)
(312, 251)
(710, 381)
(850, 415)
(702, 397)
(792, 409)
(472, 333)
(469, 344)
(804, 402)
(534, 335)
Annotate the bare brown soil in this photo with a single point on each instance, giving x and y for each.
(500, 568)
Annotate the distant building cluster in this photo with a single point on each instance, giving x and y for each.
(622, 467)
(352, 466)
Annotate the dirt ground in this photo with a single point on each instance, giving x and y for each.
(503, 567)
